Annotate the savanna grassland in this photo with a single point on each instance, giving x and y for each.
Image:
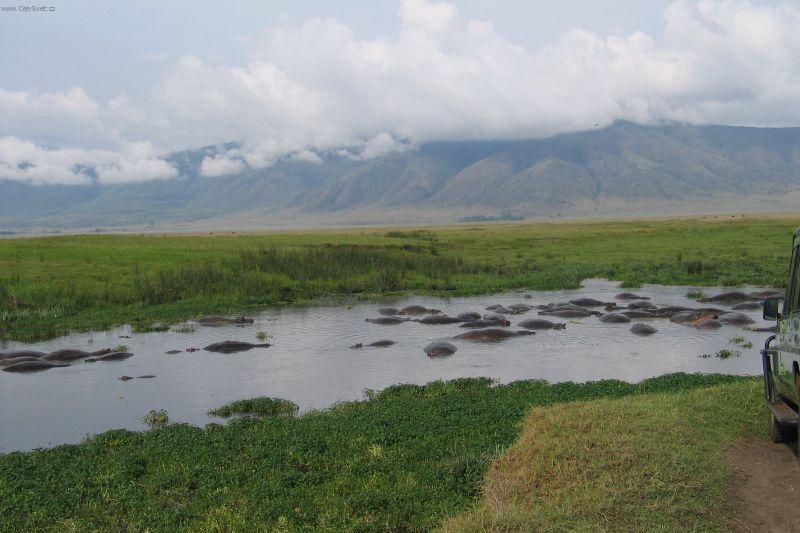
(52, 285)
(464, 455)
(606, 455)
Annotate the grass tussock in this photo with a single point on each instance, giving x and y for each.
(645, 464)
(261, 406)
(49, 286)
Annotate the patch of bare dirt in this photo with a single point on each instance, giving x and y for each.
(766, 486)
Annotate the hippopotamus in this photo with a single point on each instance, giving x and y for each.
(518, 309)
(638, 313)
(691, 316)
(746, 306)
(561, 305)
(729, 297)
(233, 346)
(763, 295)
(388, 311)
(614, 318)
(386, 320)
(483, 323)
(418, 310)
(469, 315)
(440, 349)
(641, 304)
(540, 323)
(499, 319)
(493, 307)
(21, 353)
(146, 376)
(439, 319)
(587, 302)
(222, 321)
(113, 356)
(491, 334)
(566, 313)
(643, 329)
(735, 319)
(708, 323)
(125, 378)
(630, 296)
(668, 311)
(72, 355)
(33, 366)
(383, 343)
(15, 360)
(172, 352)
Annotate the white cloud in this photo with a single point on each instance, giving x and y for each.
(221, 165)
(24, 161)
(316, 86)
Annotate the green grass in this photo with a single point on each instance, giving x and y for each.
(405, 459)
(50, 286)
(261, 406)
(653, 464)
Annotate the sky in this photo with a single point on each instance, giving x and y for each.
(116, 86)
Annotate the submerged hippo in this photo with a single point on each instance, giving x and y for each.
(736, 319)
(72, 355)
(670, 310)
(540, 323)
(587, 302)
(15, 360)
(383, 343)
(493, 307)
(728, 297)
(641, 304)
(172, 352)
(630, 296)
(439, 319)
(113, 356)
(614, 318)
(386, 320)
(643, 329)
(469, 315)
(566, 313)
(21, 353)
(483, 323)
(518, 309)
(763, 295)
(388, 311)
(234, 346)
(222, 321)
(708, 323)
(691, 316)
(33, 366)
(440, 349)
(746, 306)
(418, 310)
(638, 313)
(491, 334)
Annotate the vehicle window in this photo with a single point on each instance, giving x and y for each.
(792, 302)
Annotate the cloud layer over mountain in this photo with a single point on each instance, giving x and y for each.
(316, 86)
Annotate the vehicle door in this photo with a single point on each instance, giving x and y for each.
(788, 336)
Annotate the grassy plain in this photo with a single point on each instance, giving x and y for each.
(407, 459)
(52, 285)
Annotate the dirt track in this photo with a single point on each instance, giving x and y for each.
(766, 486)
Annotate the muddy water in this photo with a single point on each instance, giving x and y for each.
(311, 362)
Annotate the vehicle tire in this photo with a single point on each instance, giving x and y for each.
(780, 433)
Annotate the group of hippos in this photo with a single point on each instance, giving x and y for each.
(31, 361)
(488, 327)
(491, 327)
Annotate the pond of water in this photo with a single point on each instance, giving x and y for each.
(311, 363)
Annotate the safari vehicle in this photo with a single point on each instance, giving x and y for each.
(781, 355)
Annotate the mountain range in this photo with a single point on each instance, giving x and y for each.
(625, 168)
